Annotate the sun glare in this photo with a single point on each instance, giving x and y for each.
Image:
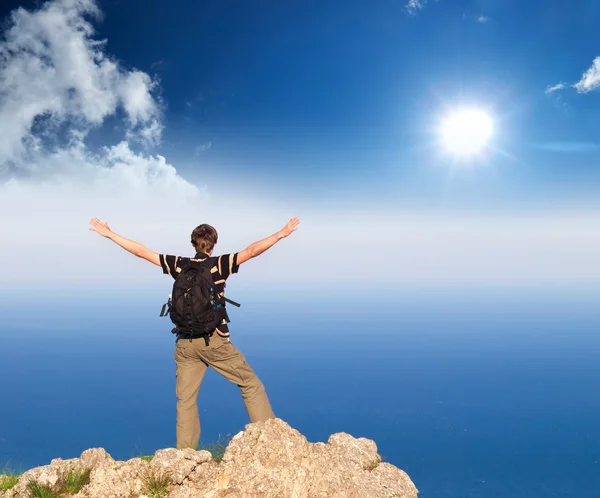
(465, 132)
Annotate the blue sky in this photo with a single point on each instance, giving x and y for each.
(254, 113)
(314, 90)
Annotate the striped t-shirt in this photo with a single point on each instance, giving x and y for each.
(222, 267)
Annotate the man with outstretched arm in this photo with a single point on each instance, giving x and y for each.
(192, 355)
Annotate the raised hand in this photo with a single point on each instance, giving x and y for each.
(291, 226)
(99, 227)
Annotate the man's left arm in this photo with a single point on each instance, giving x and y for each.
(261, 246)
(131, 246)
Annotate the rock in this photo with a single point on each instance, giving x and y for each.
(179, 463)
(266, 460)
(113, 479)
(48, 475)
(270, 459)
(94, 457)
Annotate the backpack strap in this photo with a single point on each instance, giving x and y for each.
(164, 311)
(166, 308)
(203, 264)
(231, 302)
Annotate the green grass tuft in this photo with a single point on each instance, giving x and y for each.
(8, 480)
(156, 483)
(76, 479)
(38, 490)
(217, 450)
(147, 458)
(372, 465)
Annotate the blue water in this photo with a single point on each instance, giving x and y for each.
(475, 395)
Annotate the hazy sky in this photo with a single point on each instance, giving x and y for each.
(244, 114)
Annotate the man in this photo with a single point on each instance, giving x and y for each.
(194, 356)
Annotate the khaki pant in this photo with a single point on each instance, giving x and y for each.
(192, 359)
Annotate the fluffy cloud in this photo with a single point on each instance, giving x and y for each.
(58, 83)
(590, 79)
(413, 6)
(54, 73)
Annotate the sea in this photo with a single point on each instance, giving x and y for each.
(475, 392)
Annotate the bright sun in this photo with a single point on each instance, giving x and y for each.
(465, 132)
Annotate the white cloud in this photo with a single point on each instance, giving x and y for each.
(482, 19)
(149, 134)
(57, 83)
(51, 68)
(555, 88)
(413, 6)
(53, 73)
(590, 79)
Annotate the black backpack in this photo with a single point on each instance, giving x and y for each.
(194, 306)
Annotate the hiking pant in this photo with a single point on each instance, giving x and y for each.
(192, 359)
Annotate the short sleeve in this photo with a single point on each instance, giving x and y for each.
(170, 264)
(227, 265)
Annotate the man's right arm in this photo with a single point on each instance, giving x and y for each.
(131, 246)
(261, 246)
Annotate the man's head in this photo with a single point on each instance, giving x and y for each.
(204, 238)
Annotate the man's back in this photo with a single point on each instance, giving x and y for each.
(221, 268)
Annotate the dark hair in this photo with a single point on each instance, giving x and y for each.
(204, 238)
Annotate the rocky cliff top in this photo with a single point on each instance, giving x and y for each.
(268, 460)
